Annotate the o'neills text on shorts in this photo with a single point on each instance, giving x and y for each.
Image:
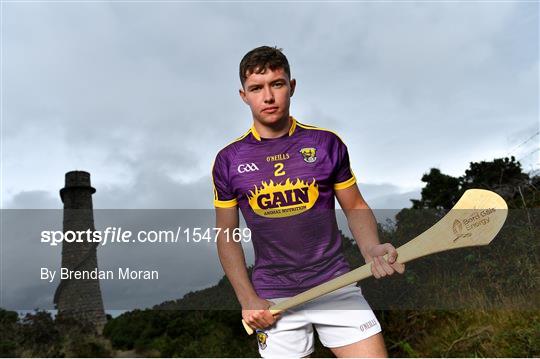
(370, 324)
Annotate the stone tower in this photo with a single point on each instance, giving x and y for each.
(79, 299)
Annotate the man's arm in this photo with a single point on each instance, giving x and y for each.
(363, 226)
(231, 256)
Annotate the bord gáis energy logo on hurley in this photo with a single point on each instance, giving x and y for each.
(457, 228)
(475, 220)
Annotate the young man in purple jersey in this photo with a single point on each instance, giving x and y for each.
(284, 176)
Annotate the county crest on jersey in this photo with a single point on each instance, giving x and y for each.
(285, 190)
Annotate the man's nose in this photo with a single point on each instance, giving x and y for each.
(268, 95)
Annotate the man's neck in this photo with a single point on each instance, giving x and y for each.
(279, 129)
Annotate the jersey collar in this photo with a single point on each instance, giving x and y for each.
(291, 129)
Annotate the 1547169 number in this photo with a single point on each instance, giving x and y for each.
(198, 234)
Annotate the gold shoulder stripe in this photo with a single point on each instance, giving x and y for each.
(217, 202)
(240, 138)
(293, 126)
(310, 127)
(305, 125)
(236, 140)
(339, 185)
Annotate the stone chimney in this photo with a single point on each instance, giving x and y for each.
(79, 299)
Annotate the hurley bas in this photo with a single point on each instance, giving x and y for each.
(121, 273)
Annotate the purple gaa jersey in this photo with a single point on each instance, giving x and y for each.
(285, 189)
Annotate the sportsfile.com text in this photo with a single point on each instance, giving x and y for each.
(119, 236)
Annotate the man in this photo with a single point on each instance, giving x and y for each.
(283, 175)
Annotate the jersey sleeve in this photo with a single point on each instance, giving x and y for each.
(224, 197)
(344, 177)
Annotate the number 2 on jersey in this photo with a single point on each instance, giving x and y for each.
(278, 169)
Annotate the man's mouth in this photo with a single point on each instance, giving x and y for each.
(270, 109)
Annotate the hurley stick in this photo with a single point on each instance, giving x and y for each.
(474, 221)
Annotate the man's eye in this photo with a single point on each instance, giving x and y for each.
(255, 89)
(278, 84)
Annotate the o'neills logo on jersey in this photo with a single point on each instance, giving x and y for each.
(280, 157)
(274, 200)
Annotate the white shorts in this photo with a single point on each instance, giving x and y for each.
(342, 317)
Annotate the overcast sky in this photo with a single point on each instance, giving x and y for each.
(143, 95)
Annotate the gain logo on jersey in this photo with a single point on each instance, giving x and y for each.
(274, 200)
(309, 154)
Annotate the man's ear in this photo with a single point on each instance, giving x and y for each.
(293, 86)
(242, 94)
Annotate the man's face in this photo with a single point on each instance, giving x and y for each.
(268, 95)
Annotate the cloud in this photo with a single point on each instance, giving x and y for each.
(157, 190)
(155, 87)
(33, 200)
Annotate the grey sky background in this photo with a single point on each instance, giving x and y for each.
(143, 96)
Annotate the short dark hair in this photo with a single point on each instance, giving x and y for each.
(260, 58)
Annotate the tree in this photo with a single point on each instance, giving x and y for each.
(502, 175)
(441, 191)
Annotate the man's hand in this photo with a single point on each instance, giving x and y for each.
(379, 266)
(257, 315)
